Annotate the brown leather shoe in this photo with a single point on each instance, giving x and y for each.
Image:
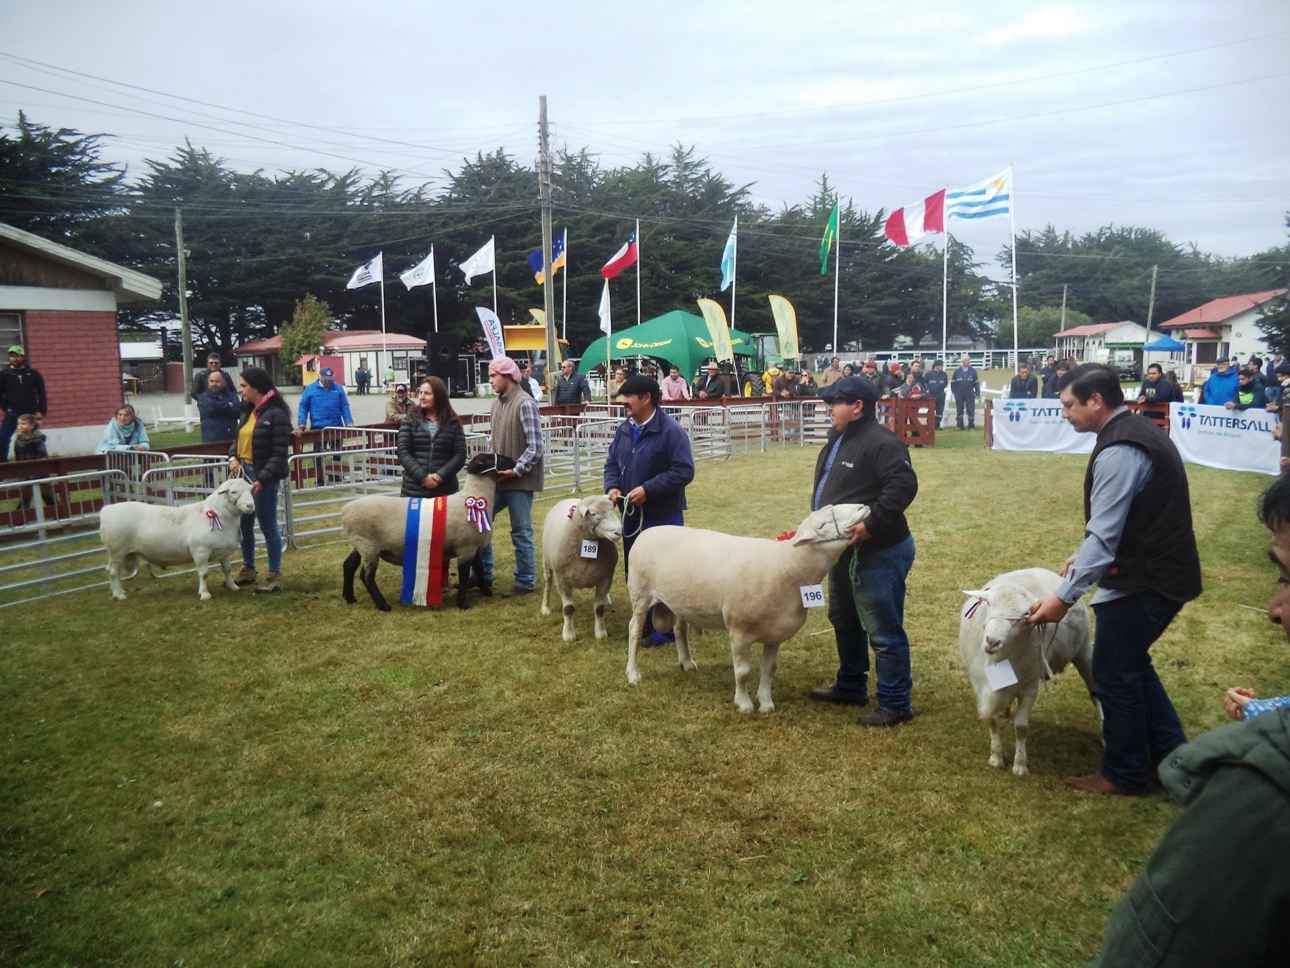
(835, 695)
(1097, 783)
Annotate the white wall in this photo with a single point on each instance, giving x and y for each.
(1246, 337)
(73, 441)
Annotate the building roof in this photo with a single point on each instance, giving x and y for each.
(1089, 329)
(338, 342)
(1224, 308)
(128, 285)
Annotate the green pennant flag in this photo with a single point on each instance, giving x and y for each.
(826, 243)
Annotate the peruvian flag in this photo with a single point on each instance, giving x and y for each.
(624, 258)
(907, 225)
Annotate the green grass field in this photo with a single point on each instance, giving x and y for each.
(295, 781)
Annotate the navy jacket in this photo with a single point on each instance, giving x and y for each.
(963, 384)
(936, 382)
(220, 413)
(661, 461)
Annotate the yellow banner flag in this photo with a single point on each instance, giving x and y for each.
(718, 329)
(785, 325)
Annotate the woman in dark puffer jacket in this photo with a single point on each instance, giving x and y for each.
(260, 452)
(431, 444)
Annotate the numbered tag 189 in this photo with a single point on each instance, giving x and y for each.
(590, 549)
(812, 596)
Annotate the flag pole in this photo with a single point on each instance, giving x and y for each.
(734, 274)
(492, 239)
(945, 298)
(1012, 221)
(837, 272)
(434, 288)
(638, 272)
(564, 297)
(609, 343)
(385, 351)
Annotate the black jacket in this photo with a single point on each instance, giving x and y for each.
(22, 390)
(936, 382)
(872, 467)
(421, 455)
(572, 391)
(220, 413)
(1023, 389)
(30, 446)
(270, 440)
(201, 379)
(964, 383)
(1162, 391)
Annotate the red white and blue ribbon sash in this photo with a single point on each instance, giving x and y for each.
(477, 513)
(424, 566)
(213, 517)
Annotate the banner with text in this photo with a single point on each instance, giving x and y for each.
(492, 330)
(1037, 425)
(1234, 440)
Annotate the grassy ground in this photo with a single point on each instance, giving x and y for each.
(294, 781)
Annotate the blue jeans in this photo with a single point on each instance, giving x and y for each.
(266, 512)
(1140, 725)
(867, 609)
(520, 505)
(7, 429)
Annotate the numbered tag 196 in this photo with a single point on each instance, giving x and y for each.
(812, 596)
(590, 549)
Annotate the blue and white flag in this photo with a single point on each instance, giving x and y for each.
(985, 199)
(728, 257)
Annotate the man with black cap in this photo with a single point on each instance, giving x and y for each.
(864, 463)
(22, 390)
(649, 463)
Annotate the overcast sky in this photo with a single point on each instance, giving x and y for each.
(1150, 112)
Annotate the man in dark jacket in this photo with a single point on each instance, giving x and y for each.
(1155, 388)
(201, 379)
(966, 387)
(934, 384)
(891, 379)
(1048, 378)
(712, 387)
(1249, 392)
(1024, 386)
(1234, 783)
(22, 390)
(864, 463)
(1140, 550)
(570, 388)
(649, 463)
(220, 409)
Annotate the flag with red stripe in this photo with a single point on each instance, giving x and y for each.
(425, 569)
(624, 258)
(907, 225)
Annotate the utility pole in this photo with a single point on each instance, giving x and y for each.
(1151, 306)
(185, 329)
(548, 290)
(1063, 306)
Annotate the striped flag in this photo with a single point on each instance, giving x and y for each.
(624, 258)
(985, 199)
(424, 567)
(907, 225)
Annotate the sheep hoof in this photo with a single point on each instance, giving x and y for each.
(767, 708)
(1019, 769)
(633, 677)
(689, 665)
(119, 596)
(996, 761)
(745, 706)
(231, 585)
(545, 609)
(602, 633)
(569, 635)
(204, 596)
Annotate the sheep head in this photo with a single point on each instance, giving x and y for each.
(598, 518)
(833, 522)
(1005, 619)
(236, 493)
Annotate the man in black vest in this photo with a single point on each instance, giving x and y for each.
(865, 463)
(1024, 386)
(1140, 550)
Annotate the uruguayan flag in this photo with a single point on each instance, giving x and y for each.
(728, 257)
(985, 199)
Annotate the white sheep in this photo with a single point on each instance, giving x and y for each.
(752, 587)
(374, 526)
(201, 533)
(993, 628)
(569, 525)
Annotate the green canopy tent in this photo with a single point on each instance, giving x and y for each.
(678, 337)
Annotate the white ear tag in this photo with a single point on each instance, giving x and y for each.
(1000, 674)
(812, 596)
(590, 549)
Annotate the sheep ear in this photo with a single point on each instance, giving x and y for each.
(804, 534)
(981, 593)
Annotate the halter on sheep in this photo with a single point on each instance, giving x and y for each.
(752, 587)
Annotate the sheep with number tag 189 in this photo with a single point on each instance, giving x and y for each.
(1007, 659)
(202, 533)
(757, 589)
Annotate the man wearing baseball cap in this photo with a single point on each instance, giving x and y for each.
(22, 390)
(323, 404)
(865, 463)
(517, 433)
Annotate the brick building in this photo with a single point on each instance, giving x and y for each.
(60, 304)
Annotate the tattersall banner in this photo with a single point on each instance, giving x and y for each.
(1037, 425)
(424, 568)
(1234, 440)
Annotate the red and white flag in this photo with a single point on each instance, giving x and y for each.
(624, 258)
(907, 225)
